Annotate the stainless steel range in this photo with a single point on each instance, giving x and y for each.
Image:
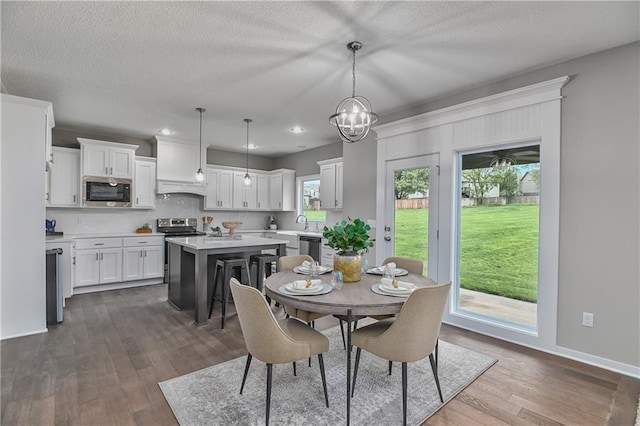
(176, 227)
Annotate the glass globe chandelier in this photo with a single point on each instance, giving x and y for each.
(353, 116)
(200, 173)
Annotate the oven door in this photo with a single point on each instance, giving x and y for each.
(106, 192)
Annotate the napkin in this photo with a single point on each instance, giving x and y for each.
(303, 283)
(305, 264)
(391, 265)
(388, 283)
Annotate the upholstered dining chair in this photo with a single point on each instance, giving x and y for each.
(287, 263)
(414, 266)
(274, 341)
(409, 337)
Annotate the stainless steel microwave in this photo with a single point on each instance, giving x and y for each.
(106, 192)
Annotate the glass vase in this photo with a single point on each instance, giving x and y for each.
(349, 265)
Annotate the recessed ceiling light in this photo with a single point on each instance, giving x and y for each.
(253, 146)
(296, 129)
(166, 132)
(302, 146)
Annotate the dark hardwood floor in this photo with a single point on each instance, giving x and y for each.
(102, 366)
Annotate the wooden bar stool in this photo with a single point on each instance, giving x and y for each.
(225, 269)
(264, 266)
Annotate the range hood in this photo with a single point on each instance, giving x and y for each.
(176, 187)
(177, 162)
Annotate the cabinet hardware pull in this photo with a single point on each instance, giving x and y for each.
(111, 170)
(74, 198)
(97, 256)
(106, 170)
(145, 253)
(143, 242)
(141, 253)
(137, 200)
(101, 256)
(98, 244)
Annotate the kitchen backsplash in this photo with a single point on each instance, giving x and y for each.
(103, 220)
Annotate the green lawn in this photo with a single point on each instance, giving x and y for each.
(315, 215)
(499, 247)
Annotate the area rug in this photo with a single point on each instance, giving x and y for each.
(210, 396)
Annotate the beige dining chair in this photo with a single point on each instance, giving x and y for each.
(409, 337)
(413, 266)
(274, 341)
(287, 263)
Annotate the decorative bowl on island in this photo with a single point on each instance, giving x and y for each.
(232, 226)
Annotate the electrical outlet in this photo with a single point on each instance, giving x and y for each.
(587, 319)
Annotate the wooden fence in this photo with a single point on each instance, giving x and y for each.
(423, 203)
(412, 203)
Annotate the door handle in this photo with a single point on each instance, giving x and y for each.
(387, 228)
(387, 238)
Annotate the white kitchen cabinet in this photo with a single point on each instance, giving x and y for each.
(107, 159)
(98, 261)
(331, 182)
(263, 201)
(142, 258)
(282, 190)
(64, 178)
(244, 196)
(144, 184)
(219, 189)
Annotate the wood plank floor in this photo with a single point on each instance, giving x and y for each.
(102, 366)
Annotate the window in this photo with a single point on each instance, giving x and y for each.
(308, 193)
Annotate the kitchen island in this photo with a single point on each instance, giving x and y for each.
(192, 261)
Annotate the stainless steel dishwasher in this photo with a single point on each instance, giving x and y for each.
(311, 246)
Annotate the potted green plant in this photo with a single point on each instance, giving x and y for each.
(349, 239)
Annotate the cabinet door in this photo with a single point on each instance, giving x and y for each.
(339, 175)
(275, 191)
(65, 178)
(87, 267)
(110, 265)
(211, 199)
(238, 191)
(328, 187)
(153, 261)
(132, 263)
(251, 193)
(95, 160)
(145, 184)
(225, 189)
(121, 162)
(262, 191)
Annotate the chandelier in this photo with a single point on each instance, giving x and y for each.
(353, 116)
(502, 160)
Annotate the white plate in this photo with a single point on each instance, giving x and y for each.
(398, 272)
(292, 287)
(305, 271)
(376, 289)
(324, 289)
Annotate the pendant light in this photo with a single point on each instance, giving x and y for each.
(247, 178)
(353, 116)
(200, 173)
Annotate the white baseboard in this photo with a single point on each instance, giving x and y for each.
(31, 333)
(116, 286)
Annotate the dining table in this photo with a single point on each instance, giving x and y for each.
(350, 303)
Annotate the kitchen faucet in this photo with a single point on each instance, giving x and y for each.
(306, 222)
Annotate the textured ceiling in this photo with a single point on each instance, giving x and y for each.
(132, 68)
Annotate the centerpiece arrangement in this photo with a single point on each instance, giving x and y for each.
(349, 239)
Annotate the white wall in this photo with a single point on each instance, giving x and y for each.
(22, 280)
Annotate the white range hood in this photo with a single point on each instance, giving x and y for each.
(177, 163)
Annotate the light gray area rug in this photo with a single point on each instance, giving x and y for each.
(210, 396)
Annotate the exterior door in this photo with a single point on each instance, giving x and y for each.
(411, 210)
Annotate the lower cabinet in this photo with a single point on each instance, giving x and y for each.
(98, 266)
(114, 260)
(142, 258)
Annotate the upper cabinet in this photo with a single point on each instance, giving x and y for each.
(331, 172)
(282, 190)
(107, 159)
(64, 178)
(263, 192)
(144, 187)
(244, 196)
(219, 189)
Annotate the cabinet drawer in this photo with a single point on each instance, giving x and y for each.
(98, 243)
(142, 241)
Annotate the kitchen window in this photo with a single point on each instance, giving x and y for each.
(308, 198)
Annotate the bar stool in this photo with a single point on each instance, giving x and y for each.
(261, 261)
(225, 269)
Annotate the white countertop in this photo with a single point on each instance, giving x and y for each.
(203, 243)
(115, 235)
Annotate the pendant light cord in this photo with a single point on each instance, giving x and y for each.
(200, 109)
(353, 71)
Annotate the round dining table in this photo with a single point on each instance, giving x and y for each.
(352, 302)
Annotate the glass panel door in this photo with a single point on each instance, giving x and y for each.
(411, 210)
(497, 256)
